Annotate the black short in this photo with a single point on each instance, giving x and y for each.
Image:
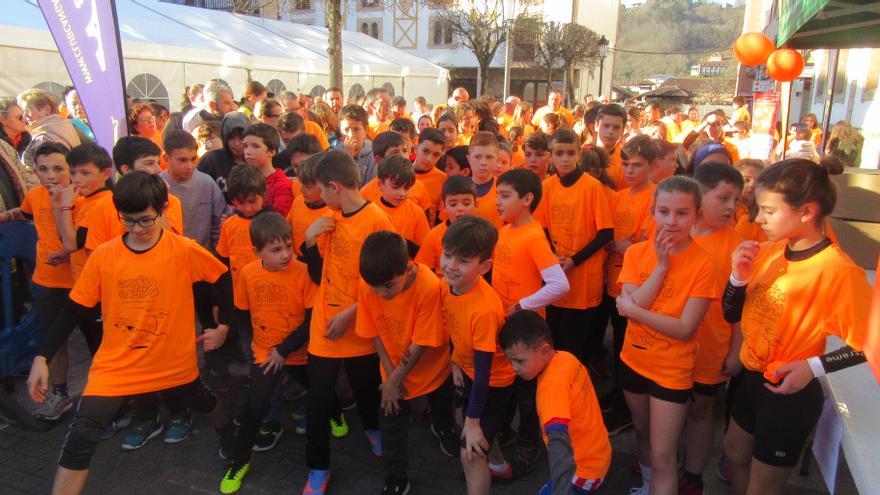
(708, 390)
(779, 423)
(635, 383)
(495, 413)
(94, 413)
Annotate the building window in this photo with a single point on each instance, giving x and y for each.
(389, 88)
(302, 5)
(371, 27)
(276, 87)
(371, 4)
(441, 34)
(840, 77)
(148, 87)
(356, 94)
(56, 89)
(870, 87)
(317, 92)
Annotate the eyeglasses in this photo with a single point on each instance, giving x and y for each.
(142, 221)
(150, 118)
(273, 115)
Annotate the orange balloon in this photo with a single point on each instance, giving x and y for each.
(785, 65)
(752, 49)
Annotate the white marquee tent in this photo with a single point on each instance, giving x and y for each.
(168, 46)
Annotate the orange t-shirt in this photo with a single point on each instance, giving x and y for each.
(277, 302)
(520, 255)
(408, 218)
(104, 224)
(433, 180)
(412, 317)
(634, 222)
(792, 306)
(432, 247)
(341, 249)
(749, 230)
(235, 244)
(418, 193)
(486, 206)
(565, 396)
(713, 336)
(692, 274)
(518, 159)
(872, 344)
(300, 218)
(473, 321)
(740, 211)
(314, 129)
(81, 213)
(376, 128)
(146, 298)
(38, 204)
(574, 215)
(615, 168)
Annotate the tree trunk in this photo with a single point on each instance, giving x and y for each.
(484, 75)
(333, 13)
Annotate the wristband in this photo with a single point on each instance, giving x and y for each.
(736, 282)
(816, 366)
(67, 208)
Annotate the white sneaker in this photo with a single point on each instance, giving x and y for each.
(642, 490)
(54, 407)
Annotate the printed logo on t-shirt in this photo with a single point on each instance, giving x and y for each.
(769, 300)
(341, 285)
(647, 337)
(139, 321)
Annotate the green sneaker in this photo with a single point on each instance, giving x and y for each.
(141, 434)
(338, 429)
(235, 474)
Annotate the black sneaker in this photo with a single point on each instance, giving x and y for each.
(267, 437)
(450, 443)
(399, 487)
(524, 460)
(226, 436)
(617, 421)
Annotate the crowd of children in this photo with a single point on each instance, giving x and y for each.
(451, 264)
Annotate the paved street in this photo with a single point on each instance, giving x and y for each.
(27, 462)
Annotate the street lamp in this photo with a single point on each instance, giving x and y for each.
(603, 52)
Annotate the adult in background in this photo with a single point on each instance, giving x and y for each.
(554, 105)
(13, 128)
(333, 97)
(44, 123)
(218, 101)
(254, 93)
(845, 142)
(77, 114)
(142, 122)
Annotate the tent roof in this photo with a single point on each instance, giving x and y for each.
(829, 24)
(171, 32)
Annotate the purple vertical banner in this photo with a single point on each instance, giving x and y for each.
(87, 35)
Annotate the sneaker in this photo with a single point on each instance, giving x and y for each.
(616, 422)
(724, 470)
(179, 427)
(298, 413)
(56, 405)
(116, 425)
(300, 426)
(267, 438)
(504, 477)
(375, 439)
(235, 474)
(449, 441)
(641, 490)
(399, 487)
(524, 460)
(143, 432)
(686, 487)
(338, 429)
(318, 481)
(347, 403)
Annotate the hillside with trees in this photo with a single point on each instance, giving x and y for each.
(666, 26)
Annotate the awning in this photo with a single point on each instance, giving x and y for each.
(829, 23)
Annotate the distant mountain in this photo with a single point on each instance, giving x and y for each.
(664, 26)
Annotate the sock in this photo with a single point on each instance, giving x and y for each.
(646, 474)
(60, 389)
(694, 479)
(498, 468)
